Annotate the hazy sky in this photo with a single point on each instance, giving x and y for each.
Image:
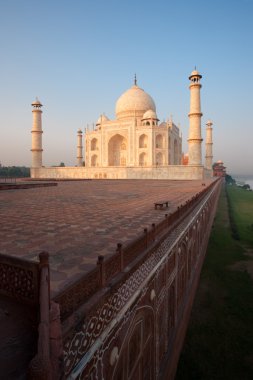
(78, 57)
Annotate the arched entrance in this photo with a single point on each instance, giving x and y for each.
(117, 151)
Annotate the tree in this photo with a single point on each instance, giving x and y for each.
(229, 180)
(14, 171)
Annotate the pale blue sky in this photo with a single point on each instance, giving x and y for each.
(78, 57)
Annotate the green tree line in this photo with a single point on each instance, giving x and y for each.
(14, 171)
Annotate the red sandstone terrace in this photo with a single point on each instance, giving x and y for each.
(123, 277)
(78, 221)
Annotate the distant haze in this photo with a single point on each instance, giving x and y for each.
(79, 57)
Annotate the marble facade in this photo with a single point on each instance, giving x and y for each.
(135, 144)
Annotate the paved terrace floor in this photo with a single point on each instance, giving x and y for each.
(77, 221)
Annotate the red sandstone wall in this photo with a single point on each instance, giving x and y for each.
(133, 328)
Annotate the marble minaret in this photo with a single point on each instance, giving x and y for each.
(37, 135)
(79, 148)
(209, 145)
(195, 139)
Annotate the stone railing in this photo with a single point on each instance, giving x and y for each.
(19, 279)
(109, 267)
(29, 283)
(160, 277)
(110, 286)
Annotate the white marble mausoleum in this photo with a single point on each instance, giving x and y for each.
(133, 145)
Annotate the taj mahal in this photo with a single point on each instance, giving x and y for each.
(135, 145)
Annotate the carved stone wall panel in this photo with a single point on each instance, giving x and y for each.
(171, 309)
(94, 325)
(19, 281)
(112, 267)
(122, 345)
(85, 338)
(171, 263)
(161, 279)
(78, 293)
(123, 319)
(162, 328)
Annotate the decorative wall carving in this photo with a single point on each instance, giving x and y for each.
(19, 280)
(128, 314)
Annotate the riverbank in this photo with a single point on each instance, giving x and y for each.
(219, 340)
(242, 180)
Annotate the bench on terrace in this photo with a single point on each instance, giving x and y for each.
(160, 204)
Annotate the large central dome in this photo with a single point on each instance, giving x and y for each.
(134, 103)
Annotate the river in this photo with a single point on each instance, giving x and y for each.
(246, 179)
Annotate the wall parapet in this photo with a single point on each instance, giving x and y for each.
(128, 314)
(157, 280)
(19, 279)
(120, 261)
(180, 172)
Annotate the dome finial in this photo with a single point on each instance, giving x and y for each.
(135, 80)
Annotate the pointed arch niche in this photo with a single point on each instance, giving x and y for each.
(94, 144)
(159, 159)
(143, 159)
(143, 141)
(94, 160)
(117, 151)
(176, 152)
(159, 141)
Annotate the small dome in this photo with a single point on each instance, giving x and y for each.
(195, 73)
(134, 103)
(150, 114)
(102, 119)
(36, 103)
